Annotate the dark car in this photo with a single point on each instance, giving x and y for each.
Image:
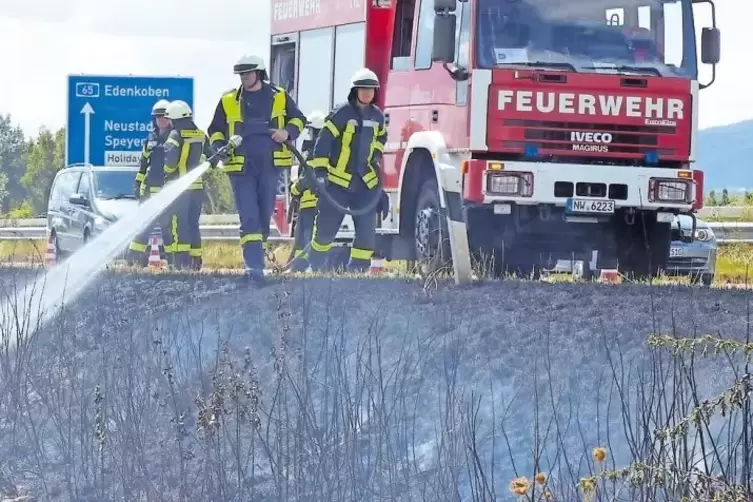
(86, 199)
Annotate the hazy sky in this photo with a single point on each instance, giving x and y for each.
(45, 40)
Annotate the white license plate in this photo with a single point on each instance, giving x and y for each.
(590, 206)
(676, 252)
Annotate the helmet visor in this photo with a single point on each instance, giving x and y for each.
(366, 83)
(244, 68)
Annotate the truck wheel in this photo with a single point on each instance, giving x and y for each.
(430, 235)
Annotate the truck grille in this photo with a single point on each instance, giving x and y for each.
(626, 139)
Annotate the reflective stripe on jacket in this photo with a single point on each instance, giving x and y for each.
(352, 142)
(151, 166)
(185, 149)
(308, 196)
(228, 121)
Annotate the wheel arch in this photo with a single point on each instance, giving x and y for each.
(419, 163)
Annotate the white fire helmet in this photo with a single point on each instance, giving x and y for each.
(160, 107)
(178, 110)
(250, 62)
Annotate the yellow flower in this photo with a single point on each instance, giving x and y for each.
(588, 485)
(548, 496)
(540, 478)
(600, 454)
(520, 486)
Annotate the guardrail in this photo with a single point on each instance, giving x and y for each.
(726, 232)
(224, 227)
(208, 233)
(707, 213)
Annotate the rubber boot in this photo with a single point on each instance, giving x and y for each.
(359, 266)
(256, 276)
(182, 261)
(299, 263)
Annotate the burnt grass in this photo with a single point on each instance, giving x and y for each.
(200, 388)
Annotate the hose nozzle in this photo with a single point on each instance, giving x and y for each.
(235, 141)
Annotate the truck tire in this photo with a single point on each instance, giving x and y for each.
(431, 240)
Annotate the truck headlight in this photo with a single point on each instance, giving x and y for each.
(510, 183)
(670, 190)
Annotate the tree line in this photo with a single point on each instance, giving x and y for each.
(714, 199)
(28, 166)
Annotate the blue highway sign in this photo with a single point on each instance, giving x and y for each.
(109, 117)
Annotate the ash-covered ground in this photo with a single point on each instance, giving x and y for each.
(202, 388)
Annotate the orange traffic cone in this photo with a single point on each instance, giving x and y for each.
(377, 266)
(155, 261)
(50, 256)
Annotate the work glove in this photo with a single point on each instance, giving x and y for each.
(384, 205)
(220, 154)
(295, 189)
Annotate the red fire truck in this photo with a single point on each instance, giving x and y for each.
(529, 131)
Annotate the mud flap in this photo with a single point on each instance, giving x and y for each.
(450, 182)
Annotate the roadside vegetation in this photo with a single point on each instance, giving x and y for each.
(734, 263)
(122, 401)
(724, 199)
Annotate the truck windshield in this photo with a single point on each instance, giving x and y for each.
(114, 184)
(654, 37)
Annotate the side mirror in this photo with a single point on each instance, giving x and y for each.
(79, 200)
(443, 49)
(710, 46)
(445, 5)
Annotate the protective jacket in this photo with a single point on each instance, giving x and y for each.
(350, 144)
(152, 164)
(186, 148)
(253, 115)
(297, 189)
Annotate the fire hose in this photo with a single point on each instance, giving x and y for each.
(312, 182)
(320, 187)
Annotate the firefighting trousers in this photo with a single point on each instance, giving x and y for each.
(254, 193)
(141, 246)
(304, 230)
(195, 202)
(327, 224)
(179, 218)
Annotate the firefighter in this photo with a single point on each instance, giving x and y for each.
(265, 116)
(151, 177)
(305, 198)
(347, 156)
(185, 149)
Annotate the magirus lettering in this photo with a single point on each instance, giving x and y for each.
(590, 137)
(591, 148)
